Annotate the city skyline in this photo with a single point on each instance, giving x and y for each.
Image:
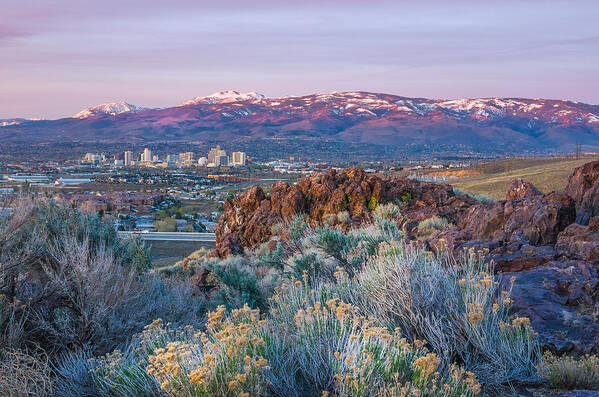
(216, 157)
(81, 55)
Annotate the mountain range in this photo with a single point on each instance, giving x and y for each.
(486, 125)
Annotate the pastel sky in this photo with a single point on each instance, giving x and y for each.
(60, 56)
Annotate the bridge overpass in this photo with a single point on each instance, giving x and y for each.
(171, 236)
(166, 248)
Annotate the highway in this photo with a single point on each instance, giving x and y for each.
(171, 236)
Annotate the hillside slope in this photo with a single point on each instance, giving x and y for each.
(489, 125)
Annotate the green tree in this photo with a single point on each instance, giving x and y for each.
(167, 225)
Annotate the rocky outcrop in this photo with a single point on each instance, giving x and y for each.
(580, 242)
(512, 231)
(536, 220)
(583, 187)
(520, 189)
(560, 298)
(247, 219)
(530, 236)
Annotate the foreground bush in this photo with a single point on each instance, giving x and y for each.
(67, 281)
(328, 350)
(22, 374)
(570, 373)
(227, 359)
(319, 344)
(357, 312)
(456, 307)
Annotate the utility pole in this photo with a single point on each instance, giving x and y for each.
(578, 151)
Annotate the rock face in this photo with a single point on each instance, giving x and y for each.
(520, 189)
(247, 219)
(536, 220)
(580, 242)
(584, 190)
(560, 300)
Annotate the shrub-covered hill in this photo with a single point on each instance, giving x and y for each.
(548, 242)
(332, 308)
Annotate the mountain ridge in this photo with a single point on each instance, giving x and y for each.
(511, 124)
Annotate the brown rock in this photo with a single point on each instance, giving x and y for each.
(520, 189)
(203, 280)
(247, 219)
(594, 223)
(552, 297)
(580, 242)
(536, 221)
(525, 257)
(583, 187)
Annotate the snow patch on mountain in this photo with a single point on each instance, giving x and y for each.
(224, 97)
(111, 109)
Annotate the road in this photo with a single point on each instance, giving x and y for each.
(171, 236)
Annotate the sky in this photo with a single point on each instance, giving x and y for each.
(58, 57)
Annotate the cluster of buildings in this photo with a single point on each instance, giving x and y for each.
(117, 202)
(217, 157)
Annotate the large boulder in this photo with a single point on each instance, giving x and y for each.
(517, 234)
(517, 257)
(580, 241)
(583, 187)
(560, 298)
(520, 189)
(536, 220)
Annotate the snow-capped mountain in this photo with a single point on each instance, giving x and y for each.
(224, 97)
(111, 109)
(354, 118)
(7, 122)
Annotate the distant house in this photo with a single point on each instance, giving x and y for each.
(210, 226)
(144, 223)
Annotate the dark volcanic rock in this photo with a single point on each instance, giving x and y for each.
(520, 189)
(559, 298)
(584, 189)
(247, 219)
(536, 220)
(580, 242)
(521, 257)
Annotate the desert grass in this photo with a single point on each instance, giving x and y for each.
(546, 174)
(564, 372)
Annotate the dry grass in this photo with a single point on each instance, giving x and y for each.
(23, 375)
(545, 174)
(570, 373)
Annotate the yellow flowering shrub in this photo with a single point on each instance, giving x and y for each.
(331, 337)
(227, 359)
(377, 362)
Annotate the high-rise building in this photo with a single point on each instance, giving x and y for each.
(146, 155)
(222, 160)
(172, 159)
(214, 153)
(93, 158)
(128, 157)
(238, 158)
(203, 161)
(186, 158)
